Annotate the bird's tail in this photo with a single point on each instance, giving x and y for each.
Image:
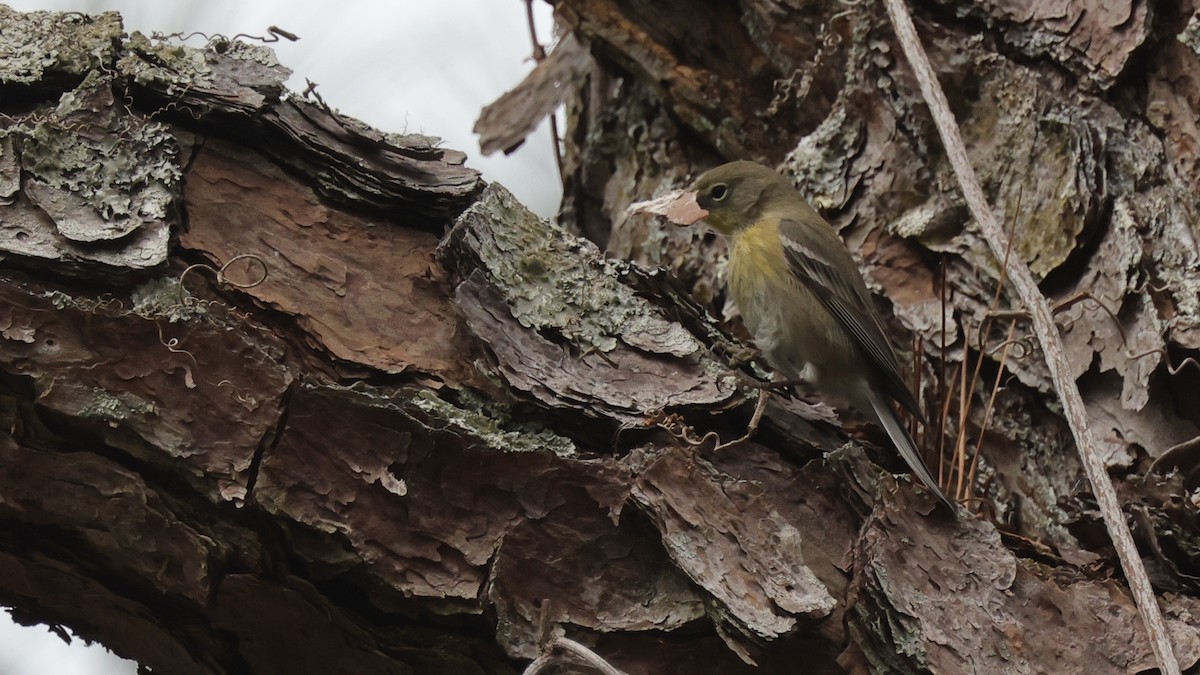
(904, 443)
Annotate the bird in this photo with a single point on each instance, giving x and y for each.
(802, 297)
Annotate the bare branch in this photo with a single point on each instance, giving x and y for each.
(570, 647)
(1044, 328)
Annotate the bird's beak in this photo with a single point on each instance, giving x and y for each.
(680, 207)
(684, 209)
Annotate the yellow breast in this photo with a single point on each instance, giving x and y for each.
(756, 262)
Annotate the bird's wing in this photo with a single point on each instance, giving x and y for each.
(811, 254)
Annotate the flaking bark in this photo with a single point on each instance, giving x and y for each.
(389, 421)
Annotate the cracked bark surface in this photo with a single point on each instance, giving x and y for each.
(283, 393)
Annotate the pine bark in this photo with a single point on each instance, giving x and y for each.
(284, 393)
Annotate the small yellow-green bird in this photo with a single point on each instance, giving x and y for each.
(801, 296)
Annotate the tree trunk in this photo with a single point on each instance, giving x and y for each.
(283, 393)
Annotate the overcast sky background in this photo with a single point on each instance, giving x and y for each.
(402, 66)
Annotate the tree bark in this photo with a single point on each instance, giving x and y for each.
(283, 393)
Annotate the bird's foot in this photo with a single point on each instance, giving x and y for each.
(737, 356)
(782, 387)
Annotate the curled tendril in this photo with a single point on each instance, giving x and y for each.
(1026, 344)
(244, 256)
(674, 425)
(788, 88)
(1162, 287)
(172, 345)
(1162, 353)
(187, 301)
(218, 41)
(1085, 296)
(1022, 345)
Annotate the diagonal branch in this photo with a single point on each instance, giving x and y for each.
(1047, 333)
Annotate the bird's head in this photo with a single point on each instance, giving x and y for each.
(733, 196)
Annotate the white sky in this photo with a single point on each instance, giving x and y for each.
(424, 66)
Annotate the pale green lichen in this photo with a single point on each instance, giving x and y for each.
(491, 424)
(1159, 202)
(916, 221)
(125, 169)
(179, 66)
(1050, 227)
(156, 299)
(821, 160)
(161, 298)
(1190, 35)
(174, 69)
(247, 52)
(1036, 161)
(34, 45)
(554, 280)
(59, 299)
(902, 632)
(110, 407)
(1178, 266)
(419, 143)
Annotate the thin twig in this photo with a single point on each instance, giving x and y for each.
(544, 626)
(539, 53)
(914, 428)
(943, 473)
(965, 394)
(990, 407)
(943, 391)
(965, 475)
(1044, 328)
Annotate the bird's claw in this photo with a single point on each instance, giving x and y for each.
(736, 355)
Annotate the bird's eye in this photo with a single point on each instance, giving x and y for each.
(718, 192)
